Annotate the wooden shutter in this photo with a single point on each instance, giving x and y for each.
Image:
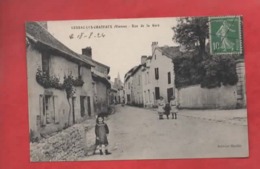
(41, 106)
(157, 93)
(55, 109)
(169, 77)
(156, 73)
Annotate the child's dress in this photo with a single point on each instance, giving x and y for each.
(174, 108)
(161, 105)
(101, 130)
(167, 110)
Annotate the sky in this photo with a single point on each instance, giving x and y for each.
(117, 43)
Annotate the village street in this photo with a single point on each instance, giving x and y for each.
(137, 133)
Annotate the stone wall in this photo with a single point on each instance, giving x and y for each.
(68, 145)
(241, 85)
(224, 97)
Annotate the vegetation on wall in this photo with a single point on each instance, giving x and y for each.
(47, 81)
(51, 81)
(69, 84)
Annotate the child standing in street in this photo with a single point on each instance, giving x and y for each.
(101, 131)
(174, 108)
(167, 110)
(161, 106)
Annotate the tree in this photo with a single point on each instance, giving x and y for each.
(70, 91)
(192, 33)
(196, 65)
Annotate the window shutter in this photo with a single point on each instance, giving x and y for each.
(41, 110)
(157, 93)
(169, 77)
(157, 73)
(56, 112)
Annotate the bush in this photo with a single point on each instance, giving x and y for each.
(209, 71)
(34, 137)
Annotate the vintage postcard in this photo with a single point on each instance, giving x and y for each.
(132, 89)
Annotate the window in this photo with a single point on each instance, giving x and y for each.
(169, 77)
(46, 63)
(79, 73)
(149, 95)
(156, 71)
(128, 98)
(148, 81)
(157, 93)
(82, 106)
(47, 110)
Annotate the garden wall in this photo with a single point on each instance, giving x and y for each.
(68, 145)
(224, 97)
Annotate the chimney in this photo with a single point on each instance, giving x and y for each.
(143, 59)
(154, 45)
(43, 24)
(87, 51)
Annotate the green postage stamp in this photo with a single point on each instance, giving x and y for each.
(225, 35)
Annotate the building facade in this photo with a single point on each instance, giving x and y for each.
(128, 88)
(59, 82)
(100, 84)
(137, 86)
(119, 86)
(158, 75)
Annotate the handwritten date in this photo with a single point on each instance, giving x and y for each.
(90, 35)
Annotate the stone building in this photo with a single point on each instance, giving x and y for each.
(119, 86)
(128, 80)
(137, 86)
(158, 75)
(53, 69)
(158, 79)
(101, 84)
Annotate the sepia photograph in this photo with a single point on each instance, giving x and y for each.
(136, 89)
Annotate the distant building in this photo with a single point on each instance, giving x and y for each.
(137, 86)
(112, 94)
(101, 84)
(119, 86)
(128, 86)
(134, 85)
(148, 92)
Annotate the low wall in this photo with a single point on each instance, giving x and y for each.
(224, 97)
(68, 145)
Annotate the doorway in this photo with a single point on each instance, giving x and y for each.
(169, 94)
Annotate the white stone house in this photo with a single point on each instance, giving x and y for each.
(48, 63)
(158, 75)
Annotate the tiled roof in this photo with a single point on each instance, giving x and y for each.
(102, 65)
(132, 71)
(171, 51)
(40, 35)
(102, 79)
(149, 57)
